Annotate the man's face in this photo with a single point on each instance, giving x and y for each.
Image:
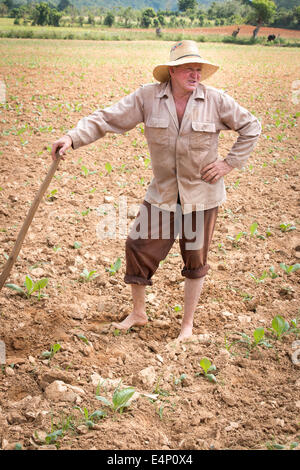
(185, 77)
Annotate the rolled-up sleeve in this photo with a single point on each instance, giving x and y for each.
(239, 119)
(118, 118)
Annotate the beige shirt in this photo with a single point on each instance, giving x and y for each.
(178, 154)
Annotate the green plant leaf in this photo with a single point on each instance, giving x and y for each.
(103, 400)
(28, 284)
(211, 378)
(16, 288)
(279, 325)
(55, 348)
(295, 267)
(98, 414)
(121, 397)
(205, 364)
(258, 334)
(253, 228)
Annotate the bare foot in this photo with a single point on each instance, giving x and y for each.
(186, 333)
(132, 320)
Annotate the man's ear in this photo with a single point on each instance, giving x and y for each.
(171, 70)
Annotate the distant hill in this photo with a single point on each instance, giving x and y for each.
(137, 4)
(170, 5)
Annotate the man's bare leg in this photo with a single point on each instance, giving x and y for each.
(138, 315)
(192, 291)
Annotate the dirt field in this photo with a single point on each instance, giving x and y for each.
(245, 30)
(49, 402)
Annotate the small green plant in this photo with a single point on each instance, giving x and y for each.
(87, 276)
(160, 412)
(228, 345)
(58, 430)
(286, 227)
(86, 172)
(83, 338)
(275, 446)
(295, 327)
(160, 391)
(120, 399)
(290, 269)
(89, 418)
(235, 240)
(253, 229)
(258, 339)
(53, 350)
(272, 273)
(52, 437)
(261, 278)
(108, 167)
(207, 367)
(30, 287)
(179, 380)
(177, 308)
(51, 196)
(114, 267)
(279, 326)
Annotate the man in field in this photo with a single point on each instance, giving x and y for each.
(182, 119)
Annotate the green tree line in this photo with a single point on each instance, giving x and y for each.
(188, 14)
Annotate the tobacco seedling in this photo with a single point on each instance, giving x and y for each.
(31, 287)
(207, 366)
(235, 240)
(120, 399)
(261, 278)
(53, 350)
(114, 267)
(51, 196)
(89, 418)
(253, 229)
(108, 167)
(177, 308)
(295, 327)
(86, 172)
(229, 345)
(274, 446)
(272, 273)
(83, 338)
(179, 380)
(279, 326)
(290, 269)
(59, 429)
(286, 227)
(160, 391)
(87, 275)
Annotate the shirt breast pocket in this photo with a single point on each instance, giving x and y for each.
(157, 131)
(201, 135)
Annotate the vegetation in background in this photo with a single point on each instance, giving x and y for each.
(181, 13)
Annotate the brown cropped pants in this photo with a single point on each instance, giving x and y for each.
(153, 234)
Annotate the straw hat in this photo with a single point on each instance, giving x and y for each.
(184, 52)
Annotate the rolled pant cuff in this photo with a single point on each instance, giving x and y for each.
(195, 273)
(137, 280)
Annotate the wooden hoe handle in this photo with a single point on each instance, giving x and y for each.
(33, 208)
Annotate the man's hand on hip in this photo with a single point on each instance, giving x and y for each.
(62, 144)
(214, 171)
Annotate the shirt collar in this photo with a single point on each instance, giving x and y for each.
(165, 90)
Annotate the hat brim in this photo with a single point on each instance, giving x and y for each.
(161, 71)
